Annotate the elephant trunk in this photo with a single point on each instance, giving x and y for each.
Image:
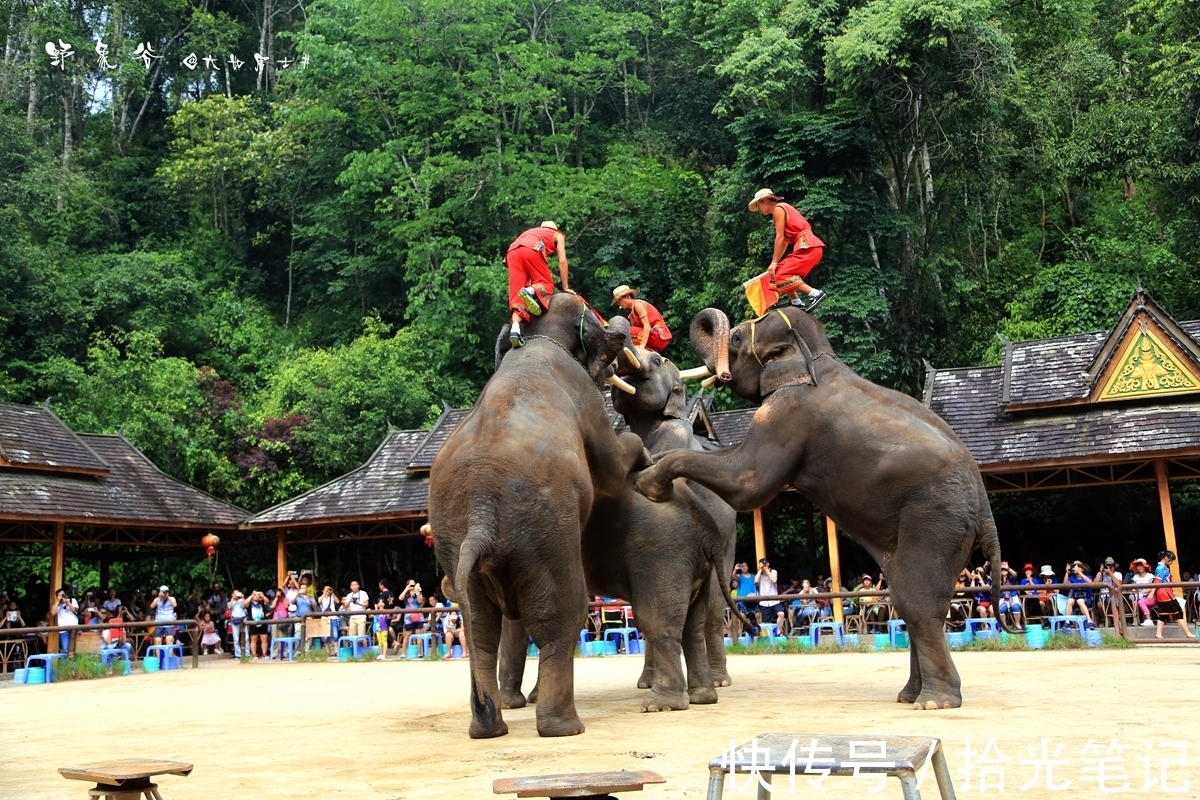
(710, 341)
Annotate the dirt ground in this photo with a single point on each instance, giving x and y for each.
(399, 730)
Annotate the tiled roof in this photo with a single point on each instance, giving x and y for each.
(969, 401)
(134, 492)
(731, 426)
(422, 459)
(383, 486)
(1046, 370)
(34, 438)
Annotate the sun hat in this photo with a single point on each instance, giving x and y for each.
(1027, 567)
(760, 195)
(1141, 561)
(621, 291)
(549, 223)
(867, 577)
(164, 588)
(1109, 562)
(1047, 570)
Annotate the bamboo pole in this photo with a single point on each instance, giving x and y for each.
(1164, 502)
(56, 575)
(760, 539)
(835, 566)
(281, 556)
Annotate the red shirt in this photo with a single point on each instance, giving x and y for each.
(654, 318)
(539, 239)
(797, 230)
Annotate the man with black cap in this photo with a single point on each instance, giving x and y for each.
(1110, 575)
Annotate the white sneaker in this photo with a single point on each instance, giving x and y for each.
(1147, 623)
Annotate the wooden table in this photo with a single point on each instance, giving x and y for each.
(594, 785)
(125, 780)
(814, 756)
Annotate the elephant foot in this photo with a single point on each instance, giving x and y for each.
(646, 681)
(665, 701)
(907, 695)
(512, 699)
(569, 726)
(931, 702)
(702, 695)
(721, 678)
(480, 731)
(533, 695)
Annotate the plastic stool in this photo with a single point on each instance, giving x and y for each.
(1072, 624)
(47, 660)
(772, 630)
(161, 652)
(292, 642)
(895, 628)
(833, 627)
(621, 636)
(424, 642)
(109, 657)
(584, 650)
(357, 644)
(983, 627)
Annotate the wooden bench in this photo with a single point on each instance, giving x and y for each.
(811, 756)
(594, 785)
(128, 779)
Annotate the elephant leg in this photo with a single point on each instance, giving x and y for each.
(714, 638)
(699, 678)
(556, 714)
(646, 680)
(513, 650)
(483, 624)
(664, 632)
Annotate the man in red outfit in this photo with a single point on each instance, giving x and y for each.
(786, 274)
(529, 281)
(646, 325)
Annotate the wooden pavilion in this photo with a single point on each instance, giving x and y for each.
(58, 487)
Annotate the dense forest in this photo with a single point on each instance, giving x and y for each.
(252, 234)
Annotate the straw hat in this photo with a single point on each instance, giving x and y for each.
(760, 195)
(549, 224)
(621, 291)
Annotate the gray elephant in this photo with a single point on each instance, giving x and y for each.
(510, 493)
(659, 556)
(886, 469)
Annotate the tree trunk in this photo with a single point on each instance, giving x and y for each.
(31, 107)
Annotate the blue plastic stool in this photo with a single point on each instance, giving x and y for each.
(621, 636)
(1064, 624)
(357, 644)
(47, 660)
(292, 642)
(424, 643)
(108, 658)
(584, 649)
(956, 639)
(456, 650)
(163, 653)
(983, 627)
(895, 628)
(833, 627)
(772, 630)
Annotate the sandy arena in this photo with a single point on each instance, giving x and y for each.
(399, 730)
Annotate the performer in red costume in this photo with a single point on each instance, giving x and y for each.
(786, 274)
(529, 281)
(646, 325)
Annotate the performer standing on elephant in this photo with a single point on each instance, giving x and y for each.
(646, 325)
(786, 274)
(529, 281)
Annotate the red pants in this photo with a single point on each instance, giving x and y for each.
(527, 267)
(794, 268)
(655, 342)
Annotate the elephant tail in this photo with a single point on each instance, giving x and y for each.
(989, 542)
(483, 707)
(470, 553)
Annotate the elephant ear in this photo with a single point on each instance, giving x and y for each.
(503, 344)
(788, 368)
(602, 343)
(676, 406)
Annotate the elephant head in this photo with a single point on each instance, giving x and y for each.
(660, 390)
(580, 331)
(761, 355)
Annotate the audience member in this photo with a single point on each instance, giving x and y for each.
(12, 616)
(767, 584)
(1009, 602)
(383, 625)
(112, 603)
(210, 640)
(357, 600)
(66, 612)
(237, 618)
(805, 609)
(257, 611)
(452, 631)
(411, 597)
(328, 601)
(1166, 606)
(1080, 600)
(163, 609)
(1140, 568)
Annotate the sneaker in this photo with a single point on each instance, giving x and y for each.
(815, 299)
(516, 339)
(1147, 623)
(799, 303)
(528, 297)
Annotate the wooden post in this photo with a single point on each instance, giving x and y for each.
(281, 556)
(835, 567)
(56, 577)
(1164, 503)
(760, 539)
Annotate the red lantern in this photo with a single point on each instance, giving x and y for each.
(428, 531)
(209, 542)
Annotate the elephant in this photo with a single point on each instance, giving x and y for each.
(659, 556)
(885, 468)
(510, 492)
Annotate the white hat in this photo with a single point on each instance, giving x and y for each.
(549, 224)
(760, 195)
(1047, 570)
(621, 291)
(164, 588)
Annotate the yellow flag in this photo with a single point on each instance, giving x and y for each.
(760, 294)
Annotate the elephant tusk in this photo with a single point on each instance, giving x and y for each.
(694, 373)
(633, 359)
(708, 382)
(622, 385)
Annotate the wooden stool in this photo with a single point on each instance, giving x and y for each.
(594, 785)
(125, 780)
(788, 754)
